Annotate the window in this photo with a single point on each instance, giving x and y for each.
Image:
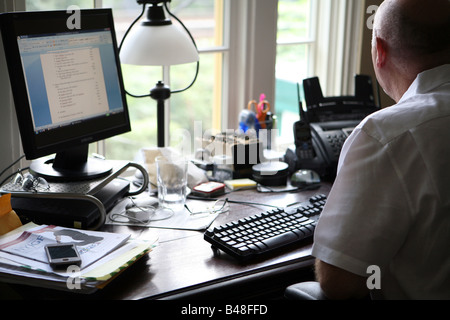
(295, 44)
(202, 102)
(32, 5)
(199, 103)
(315, 38)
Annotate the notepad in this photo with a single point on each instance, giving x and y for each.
(240, 184)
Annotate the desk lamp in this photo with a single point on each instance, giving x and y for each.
(158, 42)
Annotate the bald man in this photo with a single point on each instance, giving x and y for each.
(387, 217)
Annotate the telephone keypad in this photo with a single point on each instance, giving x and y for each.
(336, 142)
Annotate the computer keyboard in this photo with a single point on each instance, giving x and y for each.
(268, 231)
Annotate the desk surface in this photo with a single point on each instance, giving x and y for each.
(183, 264)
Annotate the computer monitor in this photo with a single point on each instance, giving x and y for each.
(67, 87)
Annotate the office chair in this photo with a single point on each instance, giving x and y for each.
(309, 290)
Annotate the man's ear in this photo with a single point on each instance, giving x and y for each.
(381, 51)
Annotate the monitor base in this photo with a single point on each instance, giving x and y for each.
(92, 169)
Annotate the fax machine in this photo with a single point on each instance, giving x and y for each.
(326, 123)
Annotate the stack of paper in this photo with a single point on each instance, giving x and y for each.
(103, 255)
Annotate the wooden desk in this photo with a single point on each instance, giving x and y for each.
(183, 264)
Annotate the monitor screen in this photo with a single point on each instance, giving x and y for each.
(67, 87)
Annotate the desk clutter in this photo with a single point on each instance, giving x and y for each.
(209, 180)
(230, 156)
(103, 255)
(144, 211)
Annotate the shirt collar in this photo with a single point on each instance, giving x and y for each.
(428, 80)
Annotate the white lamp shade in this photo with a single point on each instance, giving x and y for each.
(158, 46)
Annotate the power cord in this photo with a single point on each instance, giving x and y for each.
(10, 176)
(140, 214)
(232, 201)
(8, 167)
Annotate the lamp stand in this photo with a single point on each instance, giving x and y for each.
(156, 18)
(160, 93)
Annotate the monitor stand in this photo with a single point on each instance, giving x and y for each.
(70, 212)
(72, 164)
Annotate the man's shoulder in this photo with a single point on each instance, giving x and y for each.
(391, 122)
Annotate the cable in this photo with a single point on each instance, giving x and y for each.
(195, 45)
(13, 174)
(313, 186)
(12, 164)
(233, 201)
(120, 48)
(182, 24)
(140, 214)
(193, 81)
(131, 26)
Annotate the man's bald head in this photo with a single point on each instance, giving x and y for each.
(409, 37)
(415, 29)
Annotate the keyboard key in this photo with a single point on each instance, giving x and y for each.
(280, 240)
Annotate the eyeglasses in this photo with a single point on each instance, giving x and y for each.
(216, 207)
(31, 183)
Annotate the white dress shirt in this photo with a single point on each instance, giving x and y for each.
(390, 203)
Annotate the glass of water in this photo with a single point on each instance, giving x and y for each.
(172, 182)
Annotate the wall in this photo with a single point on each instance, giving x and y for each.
(8, 127)
(246, 69)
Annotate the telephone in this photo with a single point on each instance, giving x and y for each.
(325, 125)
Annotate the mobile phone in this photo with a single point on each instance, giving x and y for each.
(62, 255)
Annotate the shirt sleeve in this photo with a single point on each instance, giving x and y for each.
(366, 216)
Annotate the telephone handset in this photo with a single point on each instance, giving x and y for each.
(303, 140)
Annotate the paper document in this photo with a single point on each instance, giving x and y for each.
(105, 255)
(91, 245)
